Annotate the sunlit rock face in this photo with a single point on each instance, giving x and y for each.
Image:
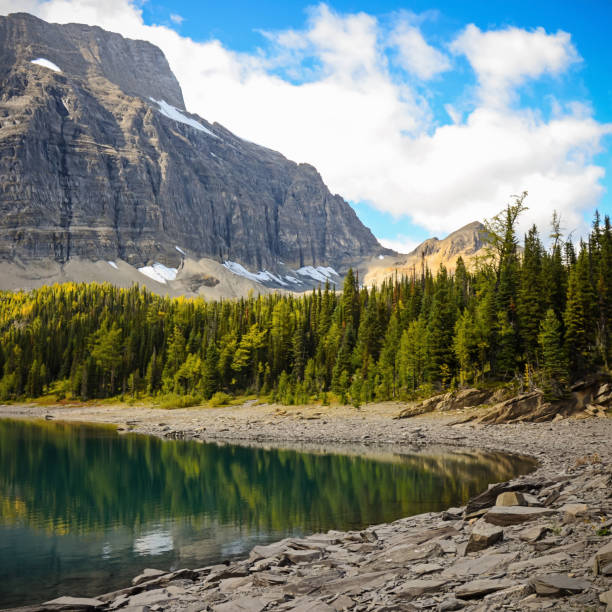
(99, 159)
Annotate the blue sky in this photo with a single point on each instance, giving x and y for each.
(424, 115)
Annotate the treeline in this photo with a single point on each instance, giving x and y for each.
(541, 317)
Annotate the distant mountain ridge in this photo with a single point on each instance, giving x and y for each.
(100, 161)
(467, 242)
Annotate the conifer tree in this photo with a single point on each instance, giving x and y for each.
(554, 360)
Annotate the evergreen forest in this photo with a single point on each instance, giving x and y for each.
(530, 316)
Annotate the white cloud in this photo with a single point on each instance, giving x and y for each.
(178, 19)
(401, 244)
(505, 59)
(329, 94)
(415, 55)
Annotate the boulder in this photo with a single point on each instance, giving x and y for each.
(602, 559)
(558, 584)
(510, 498)
(573, 511)
(479, 588)
(488, 497)
(606, 598)
(483, 535)
(514, 515)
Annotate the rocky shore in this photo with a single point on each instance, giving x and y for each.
(541, 541)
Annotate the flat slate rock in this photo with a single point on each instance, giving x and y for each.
(543, 561)
(310, 605)
(533, 534)
(558, 584)
(480, 588)
(416, 588)
(479, 566)
(74, 603)
(514, 515)
(242, 604)
(147, 574)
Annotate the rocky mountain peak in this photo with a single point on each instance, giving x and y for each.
(90, 53)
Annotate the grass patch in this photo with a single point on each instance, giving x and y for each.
(172, 401)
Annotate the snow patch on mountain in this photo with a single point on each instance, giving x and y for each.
(175, 114)
(259, 277)
(41, 61)
(320, 273)
(158, 272)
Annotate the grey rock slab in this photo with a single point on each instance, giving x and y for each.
(479, 588)
(149, 598)
(310, 605)
(514, 515)
(229, 585)
(606, 598)
(420, 569)
(602, 558)
(450, 604)
(558, 584)
(305, 585)
(242, 604)
(74, 603)
(342, 602)
(533, 534)
(354, 585)
(415, 588)
(147, 574)
(482, 565)
(545, 560)
(532, 500)
(483, 535)
(265, 579)
(302, 556)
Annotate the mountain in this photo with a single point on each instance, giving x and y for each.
(104, 172)
(467, 243)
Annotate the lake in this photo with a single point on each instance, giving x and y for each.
(84, 509)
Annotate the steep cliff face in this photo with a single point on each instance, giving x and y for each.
(100, 160)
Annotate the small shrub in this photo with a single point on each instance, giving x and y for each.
(604, 531)
(220, 399)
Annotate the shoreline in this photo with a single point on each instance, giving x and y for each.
(572, 455)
